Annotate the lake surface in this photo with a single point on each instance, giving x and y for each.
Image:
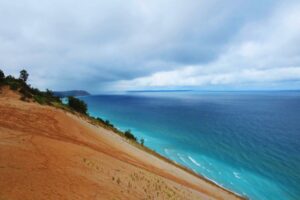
(248, 142)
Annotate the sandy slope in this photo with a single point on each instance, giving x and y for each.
(46, 153)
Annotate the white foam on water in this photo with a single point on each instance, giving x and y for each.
(194, 161)
(237, 175)
(182, 159)
(167, 151)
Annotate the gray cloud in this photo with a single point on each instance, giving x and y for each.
(99, 45)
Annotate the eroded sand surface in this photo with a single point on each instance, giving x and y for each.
(47, 153)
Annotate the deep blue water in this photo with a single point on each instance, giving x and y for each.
(248, 142)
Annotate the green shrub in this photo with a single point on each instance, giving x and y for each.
(77, 104)
(142, 141)
(23, 75)
(10, 78)
(106, 122)
(25, 92)
(100, 120)
(13, 83)
(35, 91)
(129, 135)
(14, 86)
(40, 99)
(50, 96)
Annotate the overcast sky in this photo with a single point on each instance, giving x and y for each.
(100, 45)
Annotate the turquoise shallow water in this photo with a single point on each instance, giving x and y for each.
(248, 142)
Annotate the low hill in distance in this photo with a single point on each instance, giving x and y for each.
(74, 93)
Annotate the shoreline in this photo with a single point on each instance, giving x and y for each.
(169, 160)
(181, 167)
(185, 168)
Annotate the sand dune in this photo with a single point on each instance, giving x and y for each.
(48, 153)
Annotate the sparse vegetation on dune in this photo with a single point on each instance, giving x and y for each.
(27, 92)
(47, 97)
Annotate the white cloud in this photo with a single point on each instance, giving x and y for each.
(191, 76)
(264, 52)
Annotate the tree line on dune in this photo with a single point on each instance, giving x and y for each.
(29, 93)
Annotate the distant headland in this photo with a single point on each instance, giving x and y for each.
(74, 93)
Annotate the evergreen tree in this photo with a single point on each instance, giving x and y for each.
(2, 76)
(24, 75)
